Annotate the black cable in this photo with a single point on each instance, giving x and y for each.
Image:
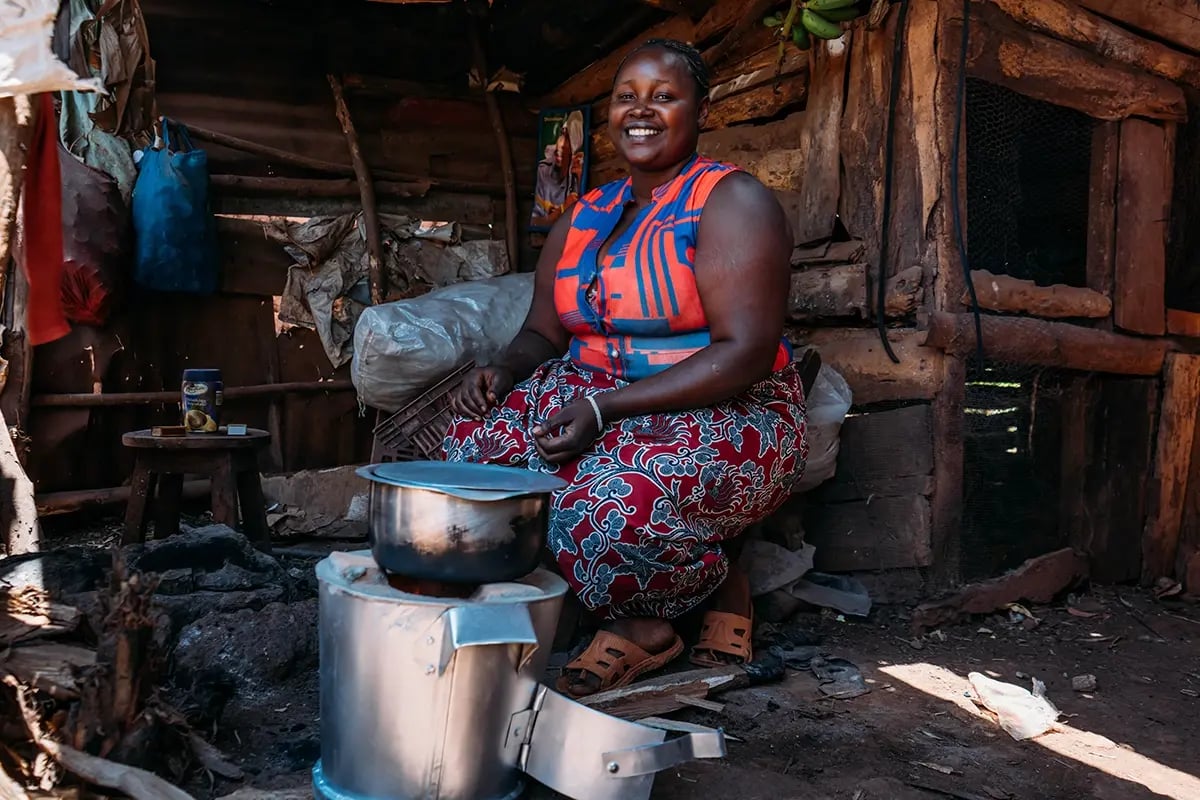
(889, 157)
(955, 207)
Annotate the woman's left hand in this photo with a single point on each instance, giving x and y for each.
(567, 433)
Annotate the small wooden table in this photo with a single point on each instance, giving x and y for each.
(231, 462)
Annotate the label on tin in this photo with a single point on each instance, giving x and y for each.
(200, 404)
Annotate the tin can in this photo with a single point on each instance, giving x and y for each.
(202, 397)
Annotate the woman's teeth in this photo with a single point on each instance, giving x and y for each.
(642, 132)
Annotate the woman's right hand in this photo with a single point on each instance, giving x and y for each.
(482, 389)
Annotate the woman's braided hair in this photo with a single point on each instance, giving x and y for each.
(690, 55)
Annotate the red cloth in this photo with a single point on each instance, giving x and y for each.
(43, 252)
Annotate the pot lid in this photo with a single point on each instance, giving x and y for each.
(470, 481)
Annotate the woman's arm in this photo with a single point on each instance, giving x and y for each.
(542, 336)
(742, 256)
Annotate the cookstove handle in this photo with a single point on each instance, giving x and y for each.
(653, 758)
(480, 625)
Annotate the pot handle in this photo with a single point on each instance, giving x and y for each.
(479, 625)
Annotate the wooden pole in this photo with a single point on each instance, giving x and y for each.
(511, 237)
(366, 191)
(749, 20)
(53, 503)
(1049, 344)
(20, 531)
(1172, 462)
(87, 400)
(16, 132)
(330, 167)
(315, 187)
(1006, 293)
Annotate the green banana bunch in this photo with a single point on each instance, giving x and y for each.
(819, 26)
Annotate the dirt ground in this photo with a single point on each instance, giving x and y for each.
(915, 736)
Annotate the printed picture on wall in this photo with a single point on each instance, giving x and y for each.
(563, 147)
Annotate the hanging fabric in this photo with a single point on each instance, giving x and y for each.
(42, 259)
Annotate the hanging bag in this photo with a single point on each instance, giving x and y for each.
(175, 236)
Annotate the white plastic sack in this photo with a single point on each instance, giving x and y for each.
(828, 404)
(1023, 714)
(27, 64)
(401, 348)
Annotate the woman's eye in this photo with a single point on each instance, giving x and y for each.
(662, 97)
(625, 97)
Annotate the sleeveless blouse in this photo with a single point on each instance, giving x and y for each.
(637, 311)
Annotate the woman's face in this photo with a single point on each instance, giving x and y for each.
(655, 114)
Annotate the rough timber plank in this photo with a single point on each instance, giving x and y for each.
(1143, 213)
(1176, 430)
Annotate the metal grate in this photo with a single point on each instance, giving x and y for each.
(1028, 167)
(1028, 164)
(417, 431)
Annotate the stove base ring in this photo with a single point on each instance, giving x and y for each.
(324, 789)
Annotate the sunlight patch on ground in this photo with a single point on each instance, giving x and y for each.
(1090, 749)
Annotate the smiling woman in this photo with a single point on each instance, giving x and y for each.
(652, 375)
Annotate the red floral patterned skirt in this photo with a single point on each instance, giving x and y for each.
(638, 531)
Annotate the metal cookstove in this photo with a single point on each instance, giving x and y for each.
(437, 697)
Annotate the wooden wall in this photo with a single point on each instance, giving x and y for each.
(815, 133)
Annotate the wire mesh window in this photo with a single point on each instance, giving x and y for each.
(1028, 167)
(1028, 164)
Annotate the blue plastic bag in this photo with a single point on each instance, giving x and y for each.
(175, 235)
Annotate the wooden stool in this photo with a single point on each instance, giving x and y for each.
(231, 462)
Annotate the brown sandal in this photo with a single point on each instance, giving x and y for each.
(722, 632)
(616, 661)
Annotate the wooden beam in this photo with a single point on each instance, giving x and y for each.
(20, 531)
(1176, 21)
(1102, 207)
(16, 131)
(820, 185)
(1049, 344)
(858, 356)
(366, 191)
(1070, 23)
(841, 291)
(116, 399)
(1183, 323)
(55, 503)
(1008, 294)
(1172, 461)
(1143, 216)
(503, 145)
(881, 533)
(750, 19)
(1004, 53)
(946, 503)
(314, 187)
(596, 79)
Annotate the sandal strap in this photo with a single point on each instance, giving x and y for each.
(609, 657)
(722, 632)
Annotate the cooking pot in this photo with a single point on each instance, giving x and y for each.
(455, 522)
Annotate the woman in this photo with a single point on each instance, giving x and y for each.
(655, 381)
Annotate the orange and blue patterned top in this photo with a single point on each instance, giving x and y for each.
(637, 311)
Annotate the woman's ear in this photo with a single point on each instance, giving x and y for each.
(702, 113)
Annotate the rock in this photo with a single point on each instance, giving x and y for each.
(1084, 683)
(258, 649)
(177, 581)
(208, 549)
(185, 609)
(232, 578)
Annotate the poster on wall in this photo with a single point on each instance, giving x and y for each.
(563, 148)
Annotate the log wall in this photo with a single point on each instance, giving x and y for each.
(814, 132)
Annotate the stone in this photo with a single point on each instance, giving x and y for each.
(1084, 683)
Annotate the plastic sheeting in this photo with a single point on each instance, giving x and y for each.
(27, 62)
(828, 404)
(401, 348)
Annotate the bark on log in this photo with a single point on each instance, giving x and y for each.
(1004, 53)
(1069, 22)
(820, 187)
(16, 131)
(1102, 207)
(84, 400)
(511, 240)
(842, 291)
(1176, 21)
(366, 191)
(315, 187)
(1172, 462)
(1013, 295)
(1049, 344)
(20, 531)
(596, 79)
(749, 20)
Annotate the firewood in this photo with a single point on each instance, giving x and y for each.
(662, 695)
